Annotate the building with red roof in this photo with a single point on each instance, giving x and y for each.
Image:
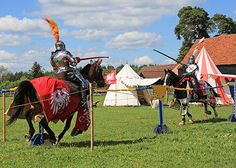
(155, 71)
(222, 50)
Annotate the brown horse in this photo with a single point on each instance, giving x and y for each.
(53, 100)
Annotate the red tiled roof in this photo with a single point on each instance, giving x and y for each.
(155, 71)
(222, 49)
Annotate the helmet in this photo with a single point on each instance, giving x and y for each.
(60, 46)
(191, 59)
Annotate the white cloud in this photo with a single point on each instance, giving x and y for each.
(32, 55)
(23, 28)
(109, 21)
(143, 60)
(8, 66)
(12, 39)
(96, 53)
(10, 23)
(89, 52)
(111, 15)
(7, 59)
(134, 40)
(167, 62)
(88, 34)
(24, 61)
(6, 56)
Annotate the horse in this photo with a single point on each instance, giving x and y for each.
(31, 104)
(182, 97)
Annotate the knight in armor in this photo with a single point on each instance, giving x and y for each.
(64, 66)
(192, 70)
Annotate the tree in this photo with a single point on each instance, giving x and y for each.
(184, 50)
(3, 71)
(220, 24)
(107, 69)
(193, 24)
(36, 71)
(49, 73)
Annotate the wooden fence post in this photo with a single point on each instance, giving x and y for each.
(91, 115)
(3, 118)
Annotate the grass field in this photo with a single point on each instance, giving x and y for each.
(124, 138)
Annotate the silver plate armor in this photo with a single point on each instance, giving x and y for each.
(58, 61)
(60, 46)
(67, 70)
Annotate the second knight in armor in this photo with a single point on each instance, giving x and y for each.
(192, 70)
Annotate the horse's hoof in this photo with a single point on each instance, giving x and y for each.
(57, 141)
(75, 132)
(208, 112)
(190, 121)
(28, 138)
(53, 141)
(182, 123)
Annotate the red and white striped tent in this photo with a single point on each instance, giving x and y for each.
(210, 73)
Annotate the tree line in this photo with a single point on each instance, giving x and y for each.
(10, 80)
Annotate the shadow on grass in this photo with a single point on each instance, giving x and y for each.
(212, 120)
(106, 143)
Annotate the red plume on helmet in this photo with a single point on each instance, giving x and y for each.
(54, 28)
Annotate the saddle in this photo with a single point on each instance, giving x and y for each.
(198, 85)
(73, 87)
(200, 91)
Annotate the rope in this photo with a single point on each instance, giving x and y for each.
(130, 89)
(45, 99)
(171, 87)
(116, 90)
(149, 87)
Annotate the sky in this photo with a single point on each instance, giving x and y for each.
(125, 30)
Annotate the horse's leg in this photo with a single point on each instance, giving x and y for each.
(206, 112)
(206, 109)
(215, 113)
(67, 126)
(213, 103)
(28, 117)
(190, 117)
(51, 134)
(182, 117)
(183, 113)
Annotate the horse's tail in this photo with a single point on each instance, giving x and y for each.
(213, 90)
(25, 88)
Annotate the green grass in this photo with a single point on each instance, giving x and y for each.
(124, 138)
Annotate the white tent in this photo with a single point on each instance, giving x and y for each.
(120, 95)
(210, 73)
